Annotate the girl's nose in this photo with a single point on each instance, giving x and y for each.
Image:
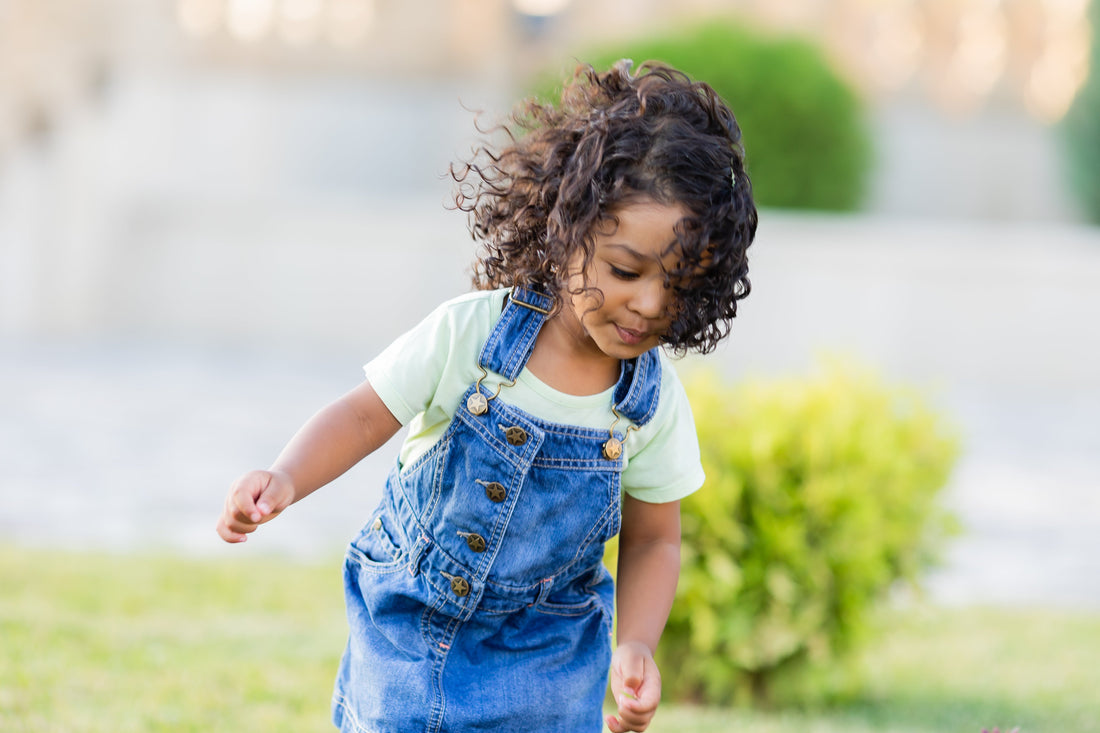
(651, 298)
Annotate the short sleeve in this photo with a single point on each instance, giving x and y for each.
(665, 466)
(425, 370)
(406, 373)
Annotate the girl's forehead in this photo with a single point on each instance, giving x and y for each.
(650, 209)
(645, 229)
(641, 216)
(642, 232)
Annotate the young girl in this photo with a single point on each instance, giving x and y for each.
(543, 420)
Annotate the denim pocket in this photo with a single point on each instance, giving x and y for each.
(578, 598)
(374, 548)
(579, 608)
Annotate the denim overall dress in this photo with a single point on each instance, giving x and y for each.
(476, 594)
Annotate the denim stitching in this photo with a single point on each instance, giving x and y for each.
(521, 348)
(350, 714)
(418, 488)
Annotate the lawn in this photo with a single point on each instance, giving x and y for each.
(104, 643)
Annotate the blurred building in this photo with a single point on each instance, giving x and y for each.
(136, 136)
(181, 175)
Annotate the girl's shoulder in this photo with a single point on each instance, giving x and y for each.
(477, 298)
(673, 413)
(467, 317)
(672, 388)
(664, 460)
(475, 304)
(439, 352)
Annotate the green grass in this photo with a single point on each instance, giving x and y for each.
(937, 671)
(93, 642)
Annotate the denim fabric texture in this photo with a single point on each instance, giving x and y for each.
(476, 594)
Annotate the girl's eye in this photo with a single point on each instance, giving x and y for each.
(623, 274)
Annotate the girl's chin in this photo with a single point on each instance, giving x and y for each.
(621, 350)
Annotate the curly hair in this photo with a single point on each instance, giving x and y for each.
(616, 138)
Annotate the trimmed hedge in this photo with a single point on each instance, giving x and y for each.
(805, 137)
(1082, 127)
(820, 496)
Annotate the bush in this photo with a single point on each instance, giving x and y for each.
(1082, 126)
(819, 497)
(805, 138)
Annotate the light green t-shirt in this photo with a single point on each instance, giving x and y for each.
(422, 376)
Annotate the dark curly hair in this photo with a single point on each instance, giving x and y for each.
(615, 138)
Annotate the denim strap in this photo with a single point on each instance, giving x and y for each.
(639, 387)
(513, 338)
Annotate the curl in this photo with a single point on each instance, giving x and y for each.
(616, 138)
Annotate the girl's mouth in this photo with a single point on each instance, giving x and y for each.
(629, 336)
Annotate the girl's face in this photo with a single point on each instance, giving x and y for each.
(628, 267)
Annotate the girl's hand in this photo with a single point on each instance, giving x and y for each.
(255, 498)
(636, 686)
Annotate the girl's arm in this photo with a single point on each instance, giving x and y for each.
(331, 442)
(648, 569)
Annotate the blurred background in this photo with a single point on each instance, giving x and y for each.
(213, 212)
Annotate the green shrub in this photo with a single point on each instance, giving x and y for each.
(1082, 127)
(819, 497)
(804, 133)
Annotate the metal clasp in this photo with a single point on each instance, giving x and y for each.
(477, 403)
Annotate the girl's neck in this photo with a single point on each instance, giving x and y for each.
(566, 359)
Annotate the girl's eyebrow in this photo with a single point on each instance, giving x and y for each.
(627, 249)
(635, 254)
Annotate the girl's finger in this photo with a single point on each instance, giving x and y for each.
(634, 714)
(228, 534)
(621, 724)
(243, 498)
(237, 527)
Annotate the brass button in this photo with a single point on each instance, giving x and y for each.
(496, 492)
(460, 587)
(515, 435)
(476, 542)
(477, 404)
(612, 449)
(377, 524)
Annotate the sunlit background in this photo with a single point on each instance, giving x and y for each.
(212, 212)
